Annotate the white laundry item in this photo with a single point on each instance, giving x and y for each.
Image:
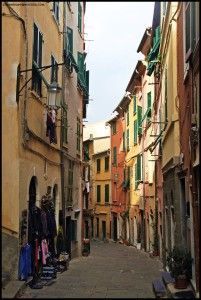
(53, 116)
(87, 186)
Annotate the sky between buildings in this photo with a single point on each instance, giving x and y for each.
(116, 29)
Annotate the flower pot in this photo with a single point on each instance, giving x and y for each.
(181, 282)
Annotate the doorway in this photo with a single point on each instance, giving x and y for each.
(103, 230)
(115, 228)
(68, 235)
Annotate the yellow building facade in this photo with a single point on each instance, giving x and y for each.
(31, 164)
(101, 190)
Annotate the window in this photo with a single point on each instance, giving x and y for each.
(98, 193)
(191, 19)
(106, 193)
(107, 163)
(114, 128)
(128, 117)
(56, 10)
(115, 156)
(166, 112)
(149, 106)
(79, 17)
(54, 70)
(78, 135)
(37, 61)
(97, 227)
(138, 168)
(127, 139)
(124, 143)
(135, 132)
(134, 104)
(139, 120)
(74, 230)
(98, 167)
(65, 125)
(70, 184)
(69, 40)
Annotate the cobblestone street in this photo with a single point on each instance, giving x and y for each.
(112, 270)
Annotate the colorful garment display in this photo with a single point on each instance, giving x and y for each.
(25, 268)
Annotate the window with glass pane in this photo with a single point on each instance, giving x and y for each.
(106, 163)
(134, 104)
(98, 168)
(115, 156)
(107, 193)
(98, 193)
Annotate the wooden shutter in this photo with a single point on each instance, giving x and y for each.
(187, 30)
(98, 193)
(70, 40)
(115, 156)
(35, 44)
(139, 119)
(135, 132)
(106, 192)
(124, 144)
(127, 137)
(79, 17)
(134, 104)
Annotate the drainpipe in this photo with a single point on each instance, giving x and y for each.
(61, 131)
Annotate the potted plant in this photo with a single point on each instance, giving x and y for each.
(179, 262)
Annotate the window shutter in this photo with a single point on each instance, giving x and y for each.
(139, 119)
(40, 50)
(115, 156)
(107, 193)
(124, 144)
(98, 193)
(87, 80)
(127, 136)
(135, 132)
(70, 40)
(79, 17)
(128, 117)
(134, 104)
(35, 44)
(187, 30)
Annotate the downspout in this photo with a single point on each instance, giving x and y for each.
(61, 131)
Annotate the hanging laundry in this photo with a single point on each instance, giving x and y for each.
(25, 268)
(44, 246)
(51, 127)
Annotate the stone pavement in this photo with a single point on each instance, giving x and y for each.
(112, 270)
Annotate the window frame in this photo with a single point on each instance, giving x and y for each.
(98, 165)
(98, 193)
(55, 10)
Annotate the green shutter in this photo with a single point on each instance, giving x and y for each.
(70, 40)
(128, 117)
(106, 192)
(134, 104)
(135, 132)
(138, 167)
(79, 17)
(139, 119)
(127, 137)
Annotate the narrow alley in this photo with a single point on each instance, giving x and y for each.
(112, 270)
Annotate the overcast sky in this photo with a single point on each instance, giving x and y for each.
(116, 29)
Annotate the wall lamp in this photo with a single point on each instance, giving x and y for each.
(53, 89)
